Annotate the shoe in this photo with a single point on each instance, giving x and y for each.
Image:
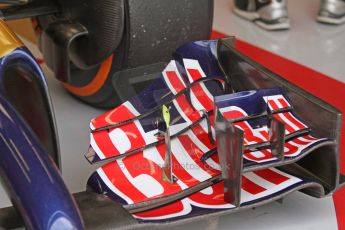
(268, 14)
(332, 12)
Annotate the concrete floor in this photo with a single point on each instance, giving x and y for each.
(317, 46)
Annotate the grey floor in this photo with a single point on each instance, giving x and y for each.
(318, 46)
(314, 45)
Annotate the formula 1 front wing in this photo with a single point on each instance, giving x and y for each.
(214, 133)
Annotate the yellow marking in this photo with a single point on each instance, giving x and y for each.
(166, 115)
(8, 40)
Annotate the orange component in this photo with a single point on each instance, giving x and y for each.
(94, 86)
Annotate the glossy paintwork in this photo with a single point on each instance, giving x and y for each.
(136, 182)
(32, 179)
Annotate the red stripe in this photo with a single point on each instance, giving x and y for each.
(116, 176)
(272, 176)
(281, 118)
(273, 104)
(215, 158)
(195, 153)
(102, 137)
(120, 113)
(202, 136)
(295, 121)
(250, 187)
(187, 109)
(138, 165)
(291, 149)
(310, 138)
(202, 96)
(265, 134)
(195, 74)
(104, 144)
(169, 209)
(215, 198)
(232, 114)
(249, 134)
(299, 141)
(283, 102)
(267, 155)
(179, 170)
(312, 81)
(107, 147)
(175, 81)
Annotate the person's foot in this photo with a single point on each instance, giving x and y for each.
(268, 14)
(332, 12)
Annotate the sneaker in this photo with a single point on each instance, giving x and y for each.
(332, 12)
(268, 14)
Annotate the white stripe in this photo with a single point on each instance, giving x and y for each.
(278, 103)
(258, 132)
(233, 108)
(259, 161)
(126, 105)
(195, 102)
(95, 147)
(153, 155)
(259, 180)
(271, 188)
(145, 183)
(288, 122)
(245, 196)
(92, 127)
(183, 157)
(257, 154)
(207, 191)
(217, 206)
(192, 64)
(302, 147)
(186, 210)
(204, 149)
(149, 137)
(213, 132)
(172, 67)
(206, 91)
(204, 126)
(178, 127)
(213, 164)
(307, 140)
(276, 98)
(120, 140)
(197, 141)
(180, 111)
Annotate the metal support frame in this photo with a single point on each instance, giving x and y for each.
(230, 152)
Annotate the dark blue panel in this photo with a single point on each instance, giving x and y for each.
(32, 179)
